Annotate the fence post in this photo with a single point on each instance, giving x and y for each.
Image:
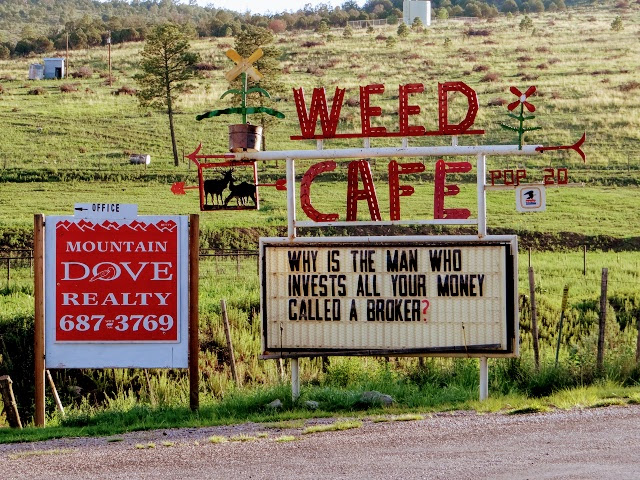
(565, 297)
(8, 271)
(603, 318)
(227, 332)
(534, 319)
(56, 397)
(584, 260)
(10, 406)
(638, 339)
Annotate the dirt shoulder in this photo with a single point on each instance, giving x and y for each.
(578, 444)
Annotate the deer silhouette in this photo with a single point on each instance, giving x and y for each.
(241, 192)
(216, 186)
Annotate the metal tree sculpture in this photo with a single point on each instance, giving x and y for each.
(243, 67)
(522, 101)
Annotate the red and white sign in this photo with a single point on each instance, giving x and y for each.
(120, 282)
(116, 282)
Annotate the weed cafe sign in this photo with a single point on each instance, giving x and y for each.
(364, 295)
(443, 295)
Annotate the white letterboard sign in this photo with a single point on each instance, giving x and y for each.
(403, 295)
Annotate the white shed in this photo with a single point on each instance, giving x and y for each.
(416, 8)
(36, 71)
(54, 68)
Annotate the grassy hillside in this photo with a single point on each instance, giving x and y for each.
(585, 73)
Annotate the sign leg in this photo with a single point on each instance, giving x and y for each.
(38, 340)
(484, 378)
(194, 341)
(295, 379)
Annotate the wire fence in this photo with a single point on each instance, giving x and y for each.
(222, 263)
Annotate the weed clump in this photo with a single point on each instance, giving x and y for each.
(496, 102)
(82, 72)
(68, 88)
(205, 66)
(490, 77)
(37, 91)
(125, 90)
(629, 86)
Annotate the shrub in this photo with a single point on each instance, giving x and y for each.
(496, 102)
(68, 87)
(490, 77)
(403, 30)
(617, 25)
(352, 102)
(311, 43)
(322, 27)
(526, 24)
(277, 26)
(205, 66)
(471, 32)
(125, 90)
(37, 91)
(629, 86)
(481, 68)
(82, 72)
(347, 32)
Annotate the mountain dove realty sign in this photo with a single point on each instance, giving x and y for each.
(115, 289)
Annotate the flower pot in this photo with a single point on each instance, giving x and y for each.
(245, 138)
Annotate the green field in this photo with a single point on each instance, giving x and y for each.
(58, 149)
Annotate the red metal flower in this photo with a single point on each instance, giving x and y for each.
(523, 98)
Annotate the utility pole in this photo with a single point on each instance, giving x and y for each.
(66, 70)
(109, 45)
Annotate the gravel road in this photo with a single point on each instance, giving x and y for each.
(598, 443)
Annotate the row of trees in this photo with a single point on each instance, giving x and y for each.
(41, 27)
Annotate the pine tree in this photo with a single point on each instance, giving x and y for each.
(166, 65)
(617, 25)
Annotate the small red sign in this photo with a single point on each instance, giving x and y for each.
(116, 281)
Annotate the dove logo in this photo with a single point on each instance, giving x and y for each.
(109, 271)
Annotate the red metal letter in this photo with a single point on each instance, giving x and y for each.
(328, 122)
(441, 190)
(305, 191)
(367, 111)
(443, 107)
(495, 175)
(521, 174)
(509, 178)
(405, 109)
(395, 189)
(368, 192)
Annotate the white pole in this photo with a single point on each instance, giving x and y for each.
(484, 378)
(482, 196)
(291, 198)
(295, 379)
(443, 151)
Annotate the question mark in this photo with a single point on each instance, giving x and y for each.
(426, 304)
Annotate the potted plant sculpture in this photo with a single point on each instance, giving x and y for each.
(243, 137)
